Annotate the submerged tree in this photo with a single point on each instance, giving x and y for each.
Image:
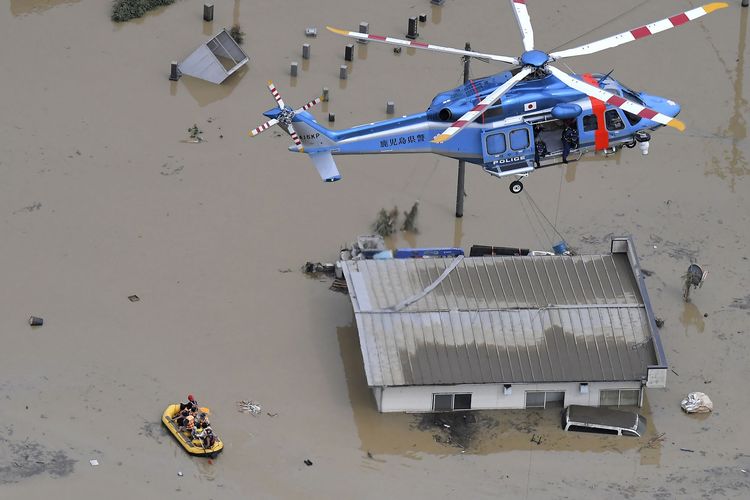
(410, 219)
(237, 34)
(385, 224)
(125, 10)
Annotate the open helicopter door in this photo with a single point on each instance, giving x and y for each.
(508, 150)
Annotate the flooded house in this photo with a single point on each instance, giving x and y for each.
(493, 332)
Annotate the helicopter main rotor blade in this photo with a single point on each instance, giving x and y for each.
(616, 100)
(265, 126)
(641, 32)
(275, 94)
(309, 105)
(480, 108)
(524, 23)
(295, 137)
(421, 45)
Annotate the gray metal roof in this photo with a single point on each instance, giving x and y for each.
(501, 319)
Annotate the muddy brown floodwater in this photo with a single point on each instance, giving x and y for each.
(102, 197)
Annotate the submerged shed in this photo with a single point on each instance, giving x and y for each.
(215, 60)
(506, 331)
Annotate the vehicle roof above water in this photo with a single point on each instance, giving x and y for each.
(602, 416)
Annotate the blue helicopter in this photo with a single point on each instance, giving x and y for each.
(510, 123)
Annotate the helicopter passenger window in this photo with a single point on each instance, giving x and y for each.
(519, 139)
(590, 123)
(613, 120)
(496, 144)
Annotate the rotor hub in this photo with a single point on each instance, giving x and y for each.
(535, 58)
(285, 116)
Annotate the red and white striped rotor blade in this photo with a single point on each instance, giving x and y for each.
(524, 23)
(421, 45)
(480, 108)
(265, 126)
(295, 137)
(616, 100)
(275, 94)
(309, 105)
(641, 32)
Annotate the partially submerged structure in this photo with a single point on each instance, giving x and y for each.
(215, 60)
(506, 331)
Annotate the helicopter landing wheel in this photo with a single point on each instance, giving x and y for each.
(516, 187)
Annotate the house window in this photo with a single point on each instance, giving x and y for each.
(462, 402)
(496, 144)
(619, 397)
(544, 399)
(519, 139)
(450, 402)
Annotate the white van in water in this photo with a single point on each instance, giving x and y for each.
(603, 420)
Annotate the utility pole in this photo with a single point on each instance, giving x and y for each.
(462, 163)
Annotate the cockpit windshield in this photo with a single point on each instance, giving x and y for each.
(631, 96)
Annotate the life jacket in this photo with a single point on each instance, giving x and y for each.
(189, 421)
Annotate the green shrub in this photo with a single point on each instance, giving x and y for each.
(237, 34)
(125, 10)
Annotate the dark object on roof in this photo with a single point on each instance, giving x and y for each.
(482, 250)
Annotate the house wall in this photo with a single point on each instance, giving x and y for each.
(489, 396)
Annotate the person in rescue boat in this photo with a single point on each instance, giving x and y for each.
(191, 405)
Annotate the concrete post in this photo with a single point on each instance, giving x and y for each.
(293, 69)
(437, 2)
(462, 163)
(174, 72)
(208, 12)
(349, 52)
(325, 94)
(305, 51)
(423, 18)
(342, 72)
(331, 117)
(412, 32)
(390, 107)
(363, 28)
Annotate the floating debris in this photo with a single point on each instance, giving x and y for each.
(249, 407)
(133, 298)
(195, 133)
(315, 268)
(694, 277)
(311, 32)
(697, 402)
(36, 321)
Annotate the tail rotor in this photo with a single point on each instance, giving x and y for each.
(284, 116)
